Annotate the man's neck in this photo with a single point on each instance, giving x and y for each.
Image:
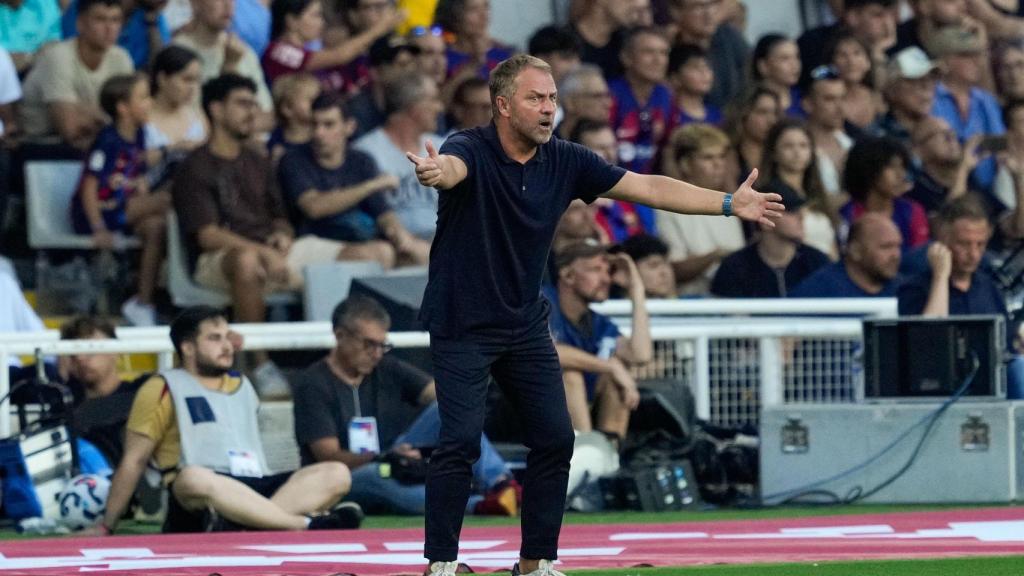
(863, 280)
(331, 161)
(215, 383)
(596, 28)
(961, 281)
(572, 306)
(515, 146)
(342, 370)
(906, 119)
(127, 128)
(690, 102)
(102, 389)
(90, 55)
(297, 132)
(959, 89)
(403, 132)
(686, 37)
(776, 252)
(821, 133)
(942, 172)
(205, 36)
(641, 88)
(223, 145)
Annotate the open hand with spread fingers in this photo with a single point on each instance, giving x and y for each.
(749, 204)
(428, 170)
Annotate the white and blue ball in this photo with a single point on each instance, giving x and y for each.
(83, 501)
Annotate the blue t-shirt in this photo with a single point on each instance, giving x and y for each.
(116, 163)
(833, 281)
(494, 231)
(252, 24)
(299, 172)
(31, 25)
(984, 116)
(595, 334)
(134, 33)
(712, 115)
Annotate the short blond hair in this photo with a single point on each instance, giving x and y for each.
(286, 87)
(503, 77)
(688, 140)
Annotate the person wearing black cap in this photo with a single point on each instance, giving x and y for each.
(777, 262)
(390, 58)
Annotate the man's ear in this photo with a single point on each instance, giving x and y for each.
(504, 106)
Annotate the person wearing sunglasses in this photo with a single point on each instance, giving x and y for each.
(823, 104)
(433, 56)
(473, 50)
(355, 406)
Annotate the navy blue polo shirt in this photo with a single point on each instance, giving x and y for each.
(494, 230)
(833, 281)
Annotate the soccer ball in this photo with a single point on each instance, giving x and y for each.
(83, 501)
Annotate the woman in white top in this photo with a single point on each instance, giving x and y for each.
(176, 125)
(789, 162)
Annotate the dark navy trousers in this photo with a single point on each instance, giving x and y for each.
(525, 365)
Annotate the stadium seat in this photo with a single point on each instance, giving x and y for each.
(185, 292)
(49, 187)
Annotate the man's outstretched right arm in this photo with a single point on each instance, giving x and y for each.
(441, 171)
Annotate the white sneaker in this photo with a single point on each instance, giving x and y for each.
(442, 569)
(545, 568)
(137, 313)
(270, 382)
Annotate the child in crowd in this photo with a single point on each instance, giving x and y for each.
(113, 197)
(691, 77)
(293, 102)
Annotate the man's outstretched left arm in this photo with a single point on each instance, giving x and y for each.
(673, 195)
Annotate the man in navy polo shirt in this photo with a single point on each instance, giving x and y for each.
(503, 189)
(869, 266)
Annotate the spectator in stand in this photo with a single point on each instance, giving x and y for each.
(558, 47)
(338, 193)
(233, 220)
(114, 196)
(62, 91)
(578, 224)
(775, 64)
(251, 23)
(850, 58)
(691, 78)
(1008, 66)
(10, 93)
(413, 104)
(1009, 187)
(223, 52)
(790, 163)
(361, 15)
(869, 268)
(876, 178)
(471, 105)
(358, 381)
(823, 105)
(143, 33)
(390, 59)
(473, 51)
(585, 96)
(699, 23)
(296, 24)
(641, 101)
(175, 127)
(871, 21)
(944, 165)
(909, 92)
(929, 17)
(650, 254)
(433, 56)
(617, 220)
(697, 154)
(776, 263)
(26, 26)
(748, 121)
(959, 98)
(593, 354)
(293, 104)
(600, 26)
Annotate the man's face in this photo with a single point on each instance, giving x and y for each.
(782, 64)
(476, 17)
(965, 67)
(871, 23)
(577, 222)
(622, 13)
(825, 103)
(602, 142)
(100, 25)
(426, 111)
(879, 252)
(967, 239)
(214, 353)
(368, 13)
(1011, 73)
(589, 278)
(647, 57)
(697, 18)
(214, 14)
(913, 96)
(705, 167)
(531, 109)
(236, 114)
(695, 76)
(474, 110)
(92, 369)
(658, 278)
(330, 132)
(432, 59)
(593, 101)
(790, 226)
(936, 142)
(362, 345)
(404, 63)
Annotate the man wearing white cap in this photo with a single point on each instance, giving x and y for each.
(909, 92)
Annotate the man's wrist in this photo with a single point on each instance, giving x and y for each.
(727, 205)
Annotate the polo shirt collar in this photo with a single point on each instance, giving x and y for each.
(491, 135)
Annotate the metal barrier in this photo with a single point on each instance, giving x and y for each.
(734, 366)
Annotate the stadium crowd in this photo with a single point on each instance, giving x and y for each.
(276, 132)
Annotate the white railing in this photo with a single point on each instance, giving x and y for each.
(733, 366)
